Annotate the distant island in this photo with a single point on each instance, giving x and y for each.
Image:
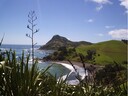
(58, 41)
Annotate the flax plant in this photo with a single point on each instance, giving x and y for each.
(31, 20)
(18, 79)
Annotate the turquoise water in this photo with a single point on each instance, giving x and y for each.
(56, 69)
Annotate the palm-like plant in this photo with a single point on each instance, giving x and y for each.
(18, 79)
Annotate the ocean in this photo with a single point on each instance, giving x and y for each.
(57, 69)
(26, 48)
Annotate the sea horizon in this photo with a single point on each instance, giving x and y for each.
(21, 44)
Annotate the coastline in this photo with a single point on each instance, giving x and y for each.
(79, 64)
(78, 70)
(74, 71)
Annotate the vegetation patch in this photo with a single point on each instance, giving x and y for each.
(108, 51)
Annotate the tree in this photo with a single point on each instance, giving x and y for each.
(91, 55)
(111, 74)
(124, 41)
(31, 26)
(63, 50)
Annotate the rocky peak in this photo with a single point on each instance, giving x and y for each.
(60, 41)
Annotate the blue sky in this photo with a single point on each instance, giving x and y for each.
(77, 20)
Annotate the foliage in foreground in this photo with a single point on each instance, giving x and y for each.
(18, 79)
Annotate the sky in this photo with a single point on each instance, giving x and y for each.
(78, 20)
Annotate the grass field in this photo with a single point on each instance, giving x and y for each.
(109, 51)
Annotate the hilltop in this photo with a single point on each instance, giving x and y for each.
(109, 51)
(59, 41)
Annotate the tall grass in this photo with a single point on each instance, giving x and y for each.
(18, 79)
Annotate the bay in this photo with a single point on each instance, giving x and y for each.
(56, 69)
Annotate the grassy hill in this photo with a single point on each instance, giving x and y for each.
(109, 51)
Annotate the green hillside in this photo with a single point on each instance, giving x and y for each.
(109, 51)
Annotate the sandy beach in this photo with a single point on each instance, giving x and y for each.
(80, 64)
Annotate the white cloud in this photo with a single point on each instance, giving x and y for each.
(108, 27)
(119, 34)
(90, 20)
(100, 34)
(101, 3)
(125, 4)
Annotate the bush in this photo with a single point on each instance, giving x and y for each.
(112, 75)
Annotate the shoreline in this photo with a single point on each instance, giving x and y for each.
(79, 64)
(74, 71)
